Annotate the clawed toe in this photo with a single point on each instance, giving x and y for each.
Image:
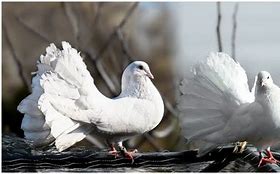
(240, 147)
(114, 153)
(130, 154)
(269, 159)
(266, 160)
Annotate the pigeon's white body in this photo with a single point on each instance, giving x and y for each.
(66, 106)
(218, 108)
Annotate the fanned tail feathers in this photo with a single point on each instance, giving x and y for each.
(208, 99)
(41, 121)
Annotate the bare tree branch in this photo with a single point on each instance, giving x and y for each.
(218, 27)
(32, 30)
(153, 142)
(166, 131)
(106, 78)
(98, 7)
(124, 45)
(233, 38)
(114, 33)
(95, 59)
(18, 63)
(73, 19)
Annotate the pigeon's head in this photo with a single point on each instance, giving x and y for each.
(138, 70)
(136, 80)
(264, 80)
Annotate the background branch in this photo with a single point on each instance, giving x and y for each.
(218, 27)
(124, 45)
(17, 60)
(114, 33)
(233, 38)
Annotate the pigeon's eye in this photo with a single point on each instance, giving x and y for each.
(267, 77)
(141, 67)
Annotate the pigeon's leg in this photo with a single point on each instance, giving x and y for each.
(113, 150)
(128, 154)
(269, 159)
(235, 150)
(240, 147)
(243, 146)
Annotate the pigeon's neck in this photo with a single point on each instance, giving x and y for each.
(141, 88)
(263, 94)
(270, 101)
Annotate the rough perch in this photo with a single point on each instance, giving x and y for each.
(18, 156)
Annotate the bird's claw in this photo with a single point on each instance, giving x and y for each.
(130, 154)
(240, 147)
(114, 153)
(268, 160)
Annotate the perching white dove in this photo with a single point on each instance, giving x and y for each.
(217, 107)
(65, 105)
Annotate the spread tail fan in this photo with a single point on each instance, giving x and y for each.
(208, 99)
(72, 83)
(33, 123)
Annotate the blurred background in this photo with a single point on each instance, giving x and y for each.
(170, 37)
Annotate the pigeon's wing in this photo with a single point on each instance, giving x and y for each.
(62, 75)
(129, 115)
(209, 98)
(119, 116)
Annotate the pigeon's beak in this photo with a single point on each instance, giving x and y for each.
(263, 83)
(149, 74)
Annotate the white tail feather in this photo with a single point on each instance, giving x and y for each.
(209, 98)
(70, 138)
(70, 82)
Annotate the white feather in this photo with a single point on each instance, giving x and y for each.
(217, 107)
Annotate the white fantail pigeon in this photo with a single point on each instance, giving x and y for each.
(217, 107)
(65, 105)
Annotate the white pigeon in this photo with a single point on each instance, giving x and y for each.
(217, 107)
(65, 105)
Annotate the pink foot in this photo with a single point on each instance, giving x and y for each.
(268, 160)
(113, 152)
(130, 154)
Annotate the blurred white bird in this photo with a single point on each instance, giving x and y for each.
(65, 105)
(217, 107)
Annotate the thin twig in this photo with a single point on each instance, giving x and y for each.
(32, 30)
(167, 130)
(169, 107)
(124, 45)
(95, 59)
(150, 139)
(218, 27)
(106, 78)
(233, 38)
(73, 19)
(97, 13)
(18, 63)
(114, 33)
